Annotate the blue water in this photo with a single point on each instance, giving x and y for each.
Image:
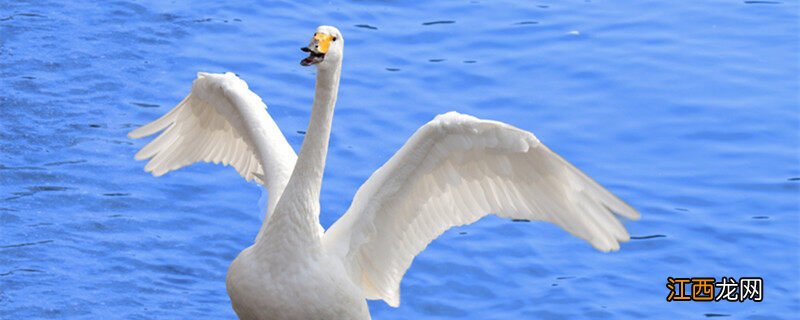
(688, 110)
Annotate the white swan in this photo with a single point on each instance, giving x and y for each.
(452, 171)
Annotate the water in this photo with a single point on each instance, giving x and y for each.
(688, 110)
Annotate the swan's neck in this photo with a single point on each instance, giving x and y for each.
(295, 222)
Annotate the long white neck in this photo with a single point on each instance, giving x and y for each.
(295, 221)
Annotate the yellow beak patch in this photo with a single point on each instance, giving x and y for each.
(322, 42)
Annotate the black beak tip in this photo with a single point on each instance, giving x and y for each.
(305, 49)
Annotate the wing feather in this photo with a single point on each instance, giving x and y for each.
(220, 121)
(453, 171)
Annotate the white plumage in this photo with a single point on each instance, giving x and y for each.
(453, 171)
(220, 121)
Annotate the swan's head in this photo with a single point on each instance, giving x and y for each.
(325, 48)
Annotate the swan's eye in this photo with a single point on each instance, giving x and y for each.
(334, 38)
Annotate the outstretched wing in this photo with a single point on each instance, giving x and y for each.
(220, 121)
(453, 171)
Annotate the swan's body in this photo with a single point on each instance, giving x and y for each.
(452, 171)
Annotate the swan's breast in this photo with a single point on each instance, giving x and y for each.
(274, 289)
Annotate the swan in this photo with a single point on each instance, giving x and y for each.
(453, 171)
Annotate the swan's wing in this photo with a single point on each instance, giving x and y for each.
(453, 171)
(220, 121)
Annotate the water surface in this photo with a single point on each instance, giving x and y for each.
(688, 110)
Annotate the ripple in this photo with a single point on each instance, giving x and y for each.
(145, 105)
(3, 167)
(60, 163)
(19, 270)
(26, 244)
(654, 236)
(32, 15)
(116, 194)
(430, 23)
(366, 26)
(36, 189)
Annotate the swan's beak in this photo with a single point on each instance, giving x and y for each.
(317, 49)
